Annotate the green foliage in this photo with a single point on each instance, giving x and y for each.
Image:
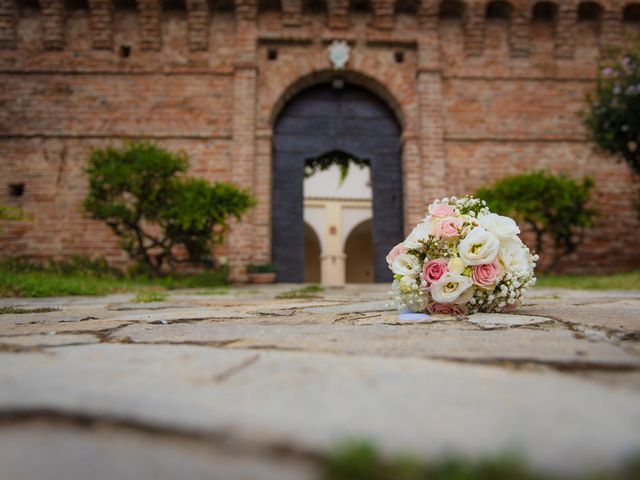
(308, 291)
(148, 296)
(75, 264)
(341, 159)
(11, 213)
(81, 276)
(618, 281)
(261, 268)
(613, 115)
(553, 206)
(361, 461)
(141, 192)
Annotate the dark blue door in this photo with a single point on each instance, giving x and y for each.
(319, 120)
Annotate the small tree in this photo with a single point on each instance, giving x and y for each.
(613, 116)
(161, 216)
(553, 206)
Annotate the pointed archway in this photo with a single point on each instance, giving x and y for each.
(322, 119)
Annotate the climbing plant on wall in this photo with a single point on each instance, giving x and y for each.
(342, 159)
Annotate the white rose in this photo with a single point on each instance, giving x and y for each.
(479, 247)
(451, 288)
(406, 265)
(420, 232)
(513, 256)
(502, 227)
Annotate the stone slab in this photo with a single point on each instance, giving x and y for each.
(52, 451)
(313, 401)
(454, 340)
(51, 340)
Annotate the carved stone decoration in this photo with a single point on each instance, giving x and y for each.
(339, 52)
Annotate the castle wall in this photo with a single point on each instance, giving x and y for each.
(481, 91)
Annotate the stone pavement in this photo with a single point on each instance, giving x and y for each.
(238, 384)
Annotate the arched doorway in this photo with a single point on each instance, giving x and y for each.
(322, 119)
(359, 251)
(311, 255)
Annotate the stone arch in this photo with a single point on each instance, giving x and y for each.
(320, 119)
(358, 247)
(325, 76)
(312, 252)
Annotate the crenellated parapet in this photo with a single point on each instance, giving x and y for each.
(475, 16)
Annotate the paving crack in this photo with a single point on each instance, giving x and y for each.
(231, 371)
(221, 439)
(559, 365)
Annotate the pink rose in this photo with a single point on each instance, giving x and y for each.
(395, 251)
(434, 269)
(436, 308)
(509, 307)
(441, 210)
(487, 274)
(449, 227)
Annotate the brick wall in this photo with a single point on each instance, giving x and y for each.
(480, 92)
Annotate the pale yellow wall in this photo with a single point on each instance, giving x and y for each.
(333, 220)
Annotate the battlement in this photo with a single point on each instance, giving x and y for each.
(51, 18)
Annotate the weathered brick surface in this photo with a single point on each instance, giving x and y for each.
(8, 22)
(477, 99)
(101, 24)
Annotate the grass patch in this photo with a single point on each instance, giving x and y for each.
(363, 462)
(619, 281)
(148, 296)
(9, 310)
(214, 291)
(20, 278)
(309, 291)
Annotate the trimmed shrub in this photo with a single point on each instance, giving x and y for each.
(553, 206)
(162, 216)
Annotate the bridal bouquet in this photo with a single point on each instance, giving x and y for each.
(461, 259)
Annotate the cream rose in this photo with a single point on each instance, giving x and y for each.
(513, 256)
(455, 265)
(451, 288)
(479, 247)
(502, 227)
(406, 265)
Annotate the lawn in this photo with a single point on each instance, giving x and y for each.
(620, 281)
(362, 461)
(81, 276)
(86, 277)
